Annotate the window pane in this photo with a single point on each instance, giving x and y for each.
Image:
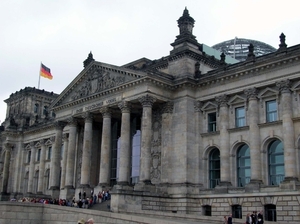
(214, 165)
(243, 165)
(271, 110)
(240, 117)
(212, 119)
(276, 162)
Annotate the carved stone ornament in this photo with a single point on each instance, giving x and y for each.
(284, 86)
(251, 93)
(222, 100)
(125, 106)
(197, 106)
(168, 107)
(97, 80)
(147, 101)
(72, 121)
(88, 117)
(106, 112)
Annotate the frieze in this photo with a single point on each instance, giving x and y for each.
(97, 105)
(97, 81)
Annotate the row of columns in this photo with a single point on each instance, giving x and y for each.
(254, 134)
(105, 160)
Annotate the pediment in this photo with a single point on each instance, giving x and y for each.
(94, 79)
(209, 106)
(236, 100)
(296, 86)
(268, 92)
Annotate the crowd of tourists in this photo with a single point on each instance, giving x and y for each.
(82, 202)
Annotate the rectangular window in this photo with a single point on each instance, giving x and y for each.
(240, 117)
(271, 111)
(28, 156)
(49, 152)
(212, 122)
(38, 156)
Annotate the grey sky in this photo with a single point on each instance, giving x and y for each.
(62, 33)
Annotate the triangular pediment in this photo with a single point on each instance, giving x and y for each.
(296, 86)
(236, 100)
(209, 106)
(268, 92)
(96, 78)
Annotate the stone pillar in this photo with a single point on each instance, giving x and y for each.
(201, 173)
(104, 176)
(145, 161)
(42, 167)
(87, 150)
(64, 161)
(6, 165)
(166, 144)
(70, 169)
(124, 165)
(224, 141)
(254, 139)
(55, 160)
(18, 167)
(290, 166)
(31, 168)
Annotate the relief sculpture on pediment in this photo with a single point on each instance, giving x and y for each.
(97, 81)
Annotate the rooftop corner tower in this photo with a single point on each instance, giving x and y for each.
(185, 39)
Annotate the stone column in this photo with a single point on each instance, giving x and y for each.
(145, 161)
(201, 173)
(55, 160)
(70, 169)
(87, 150)
(18, 166)
(31, 168)
(104, 176)
(64, 161)
(42, 167)
(6, 165)
(290, 166)
(124, 165)
(166, 144)
(224, 140)
(254, 138)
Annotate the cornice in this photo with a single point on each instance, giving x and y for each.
(241, 69)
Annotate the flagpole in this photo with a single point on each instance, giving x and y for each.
(39, 77)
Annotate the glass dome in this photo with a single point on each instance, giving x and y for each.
(238, 48)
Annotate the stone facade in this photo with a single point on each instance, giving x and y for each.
(184, 134)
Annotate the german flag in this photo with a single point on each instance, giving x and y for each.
(45, 72)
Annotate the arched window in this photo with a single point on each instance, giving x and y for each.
(214, 168)
(276, 162)
(243, 165)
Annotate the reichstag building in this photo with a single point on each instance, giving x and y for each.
(187, 133)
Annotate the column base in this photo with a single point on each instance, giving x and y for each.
(222, 187)
(290, 183)
(145, 185)
(4, 196)
(253, 186)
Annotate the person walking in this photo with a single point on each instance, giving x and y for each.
(225, 219)
(248, 219)
(260, 218)
(229, 220)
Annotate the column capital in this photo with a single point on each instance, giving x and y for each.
(251, 93)
(8, 146)
(147, 100)
(59, 125)
(72, 121)
(284, 86)
(106, 112)
(222, 100)
(42, 142)
(168, 107)
(88, 117)
(197, 106)
(125, 106)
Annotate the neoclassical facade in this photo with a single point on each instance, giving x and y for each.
(186, 133)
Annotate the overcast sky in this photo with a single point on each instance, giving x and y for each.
(61, 33)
